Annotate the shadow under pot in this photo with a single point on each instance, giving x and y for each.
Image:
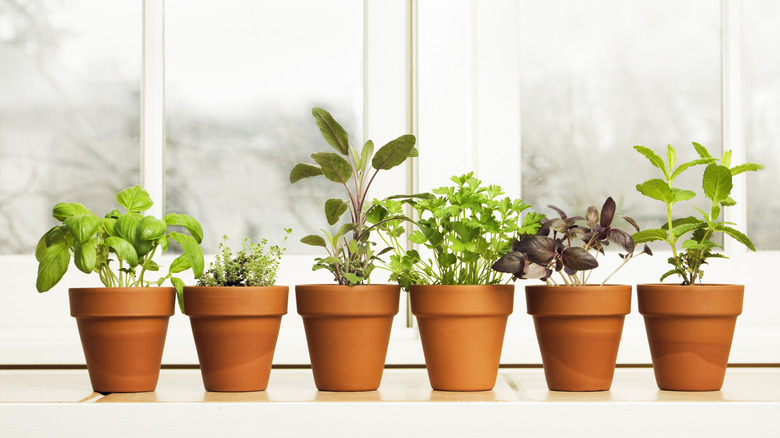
(462, 333)
(690, 331)
(122, 332)
(347, 332)
(235, 331)
(579, 329)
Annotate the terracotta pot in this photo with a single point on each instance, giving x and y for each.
(690, 329)
(579, 330)
(462, 333)
(235, 331)
(348, 332)
(123, 334)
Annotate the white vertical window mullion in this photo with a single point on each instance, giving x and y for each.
(732, 134)
(153, 104)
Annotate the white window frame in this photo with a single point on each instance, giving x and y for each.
(409, 46)
(467, 89)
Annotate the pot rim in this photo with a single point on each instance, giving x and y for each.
(235, 301)
(151, 301)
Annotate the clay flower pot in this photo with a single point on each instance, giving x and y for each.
(122, 332)
(235, 331)
(462, 333)
(690, 330)
(348, 332)
(579, 330)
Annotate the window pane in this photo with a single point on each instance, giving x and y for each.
(241, 79)
(761, 86)
(69, 110)
(599, 77)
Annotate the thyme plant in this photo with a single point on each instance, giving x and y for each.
(255, 264)
(698, 234)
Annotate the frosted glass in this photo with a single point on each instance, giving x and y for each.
(241, 79)
(599, 77)
(69, 110)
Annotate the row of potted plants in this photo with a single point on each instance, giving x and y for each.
(468, 236)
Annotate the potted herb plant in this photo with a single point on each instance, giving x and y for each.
(578, 325)
(123, 325)
(460, 303)
(348, 324)
(690, 326)
(235, 312)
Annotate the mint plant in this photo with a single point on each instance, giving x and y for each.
(119, 247)
(254, 265)
(351, 258)
(466, 229)
(568, 246)
(698, 234)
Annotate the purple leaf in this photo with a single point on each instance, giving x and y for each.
(578, 259)
(632, 222)
(558, 225)
(558, 210)
(622, 239)
(536, 271)
(538, 249)
(592, 215)
(607, 212)
(511, 263)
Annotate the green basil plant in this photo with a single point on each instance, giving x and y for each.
(118, 247)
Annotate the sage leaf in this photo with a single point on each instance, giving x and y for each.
(331, 130)
(314, 240)
(334, 209)
(394, 152)
(303, 170)
(333, 166)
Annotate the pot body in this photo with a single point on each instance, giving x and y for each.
(462, 333)
(347, 332)
(579, 329)
(122, 333)
(690, 330)
(235, 331)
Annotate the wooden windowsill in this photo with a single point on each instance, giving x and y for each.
(520, 405)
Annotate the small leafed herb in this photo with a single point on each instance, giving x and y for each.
(569, 246)
(118, 247)
(255, 264)
(351, 257)
(466, 228)
(699, 234)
